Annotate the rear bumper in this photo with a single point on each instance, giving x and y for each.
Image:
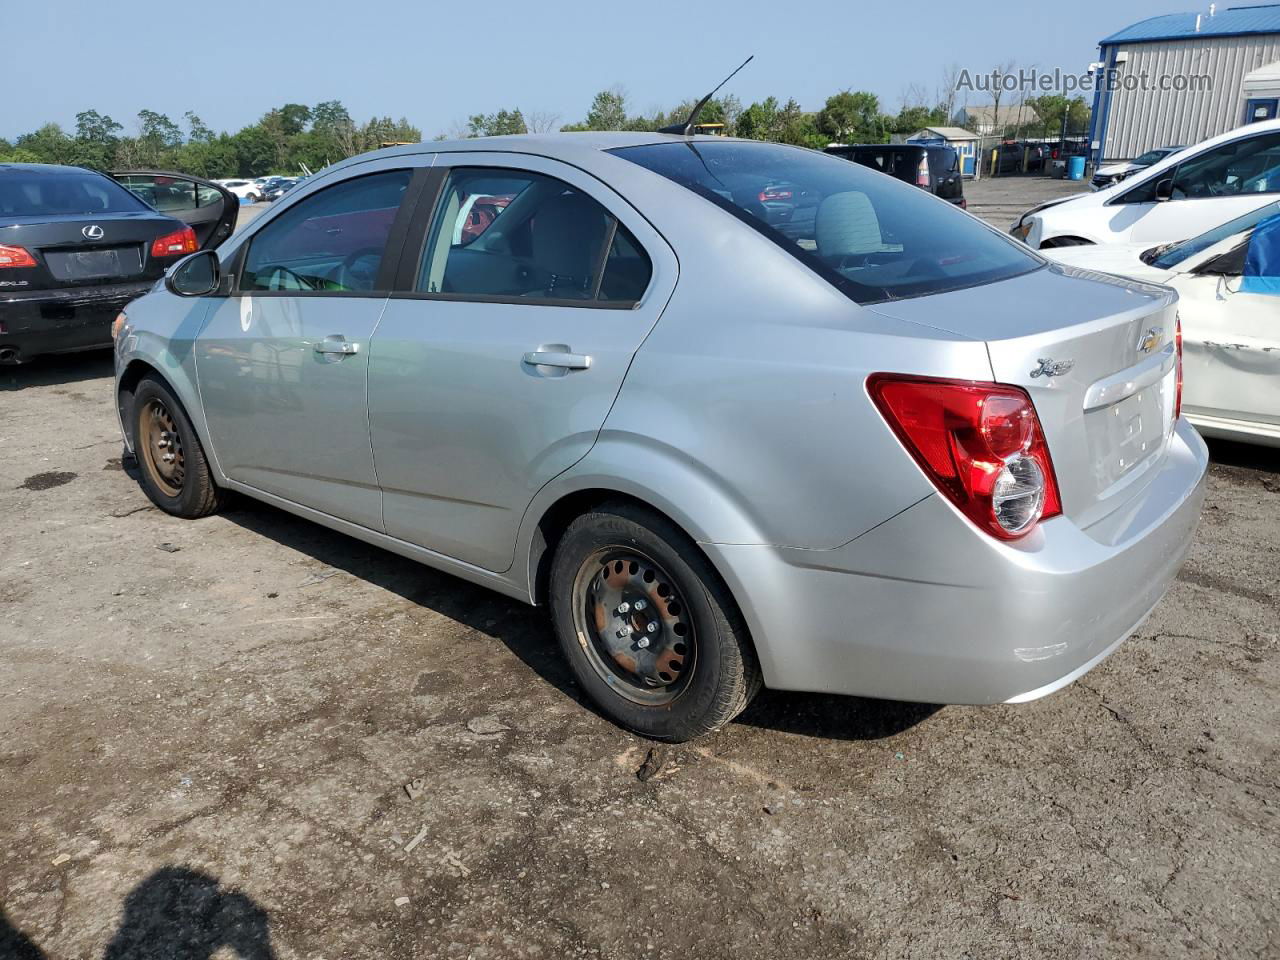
(61, 321)
(926, 608)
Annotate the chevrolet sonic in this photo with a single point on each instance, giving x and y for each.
(890, 453)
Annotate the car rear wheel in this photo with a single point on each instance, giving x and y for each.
(174, 471)
(647, 626)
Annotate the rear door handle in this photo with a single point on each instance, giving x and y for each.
(552, 358)
(337, 344)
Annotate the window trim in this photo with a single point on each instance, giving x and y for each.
(423, 220)
(387, 267)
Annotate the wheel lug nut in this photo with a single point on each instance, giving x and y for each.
(624, 631)
(642, 642)
(624, 607)
(640, 604)
(652, 627)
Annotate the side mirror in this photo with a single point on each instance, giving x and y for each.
(196, 275)
(1164, 189)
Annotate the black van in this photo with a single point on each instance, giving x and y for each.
(933, 168)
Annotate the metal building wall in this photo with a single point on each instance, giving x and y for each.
(1141, 119)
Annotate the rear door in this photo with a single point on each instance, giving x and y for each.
(496, 363)
(282, 360)
(208, 208)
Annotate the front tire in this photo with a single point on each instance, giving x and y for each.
(174, 471)
(649, 630)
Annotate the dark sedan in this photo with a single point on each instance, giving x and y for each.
(75, 247)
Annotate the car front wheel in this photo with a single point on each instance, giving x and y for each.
(647, 626)
(174, 470)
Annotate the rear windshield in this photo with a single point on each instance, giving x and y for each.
(900, 163)
(872, 237)
(24, 194)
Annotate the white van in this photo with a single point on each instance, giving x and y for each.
(1179, 197)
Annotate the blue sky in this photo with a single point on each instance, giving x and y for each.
(436, 63)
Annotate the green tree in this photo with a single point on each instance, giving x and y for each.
(96, 141)
(197, 131)
(608, 112)
(849, 117)
(760, 121)
(496, 124)
(49, 144)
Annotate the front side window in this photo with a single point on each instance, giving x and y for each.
(331, 242)
(519, 235)
(1229, 169)
(872, 237)
(166, 194)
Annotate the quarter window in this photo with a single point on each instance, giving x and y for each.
(332, 241)
(519, 235)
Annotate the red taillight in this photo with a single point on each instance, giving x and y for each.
(767, 195)
(1177, 339)
(15, 257)
(964, 204)
(173, 244)
(922, 173)
(980, 443)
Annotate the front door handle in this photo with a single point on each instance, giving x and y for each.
(555, 358)
(337, 344)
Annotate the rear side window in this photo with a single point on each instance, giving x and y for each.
(35, 194)
(525, 237)
(333, 241)
(871, 237)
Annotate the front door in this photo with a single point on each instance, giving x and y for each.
(282, 362)
(207, 208)
(534, 288)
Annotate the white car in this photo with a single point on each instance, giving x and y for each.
(1183, 195)
(1112, 173)
(1228, 283)
(244, 189)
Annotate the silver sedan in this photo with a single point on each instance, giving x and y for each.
(739, 413)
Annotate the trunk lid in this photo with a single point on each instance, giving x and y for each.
(76, 250)
(1097, 356)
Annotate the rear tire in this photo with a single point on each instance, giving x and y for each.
(649, 630)
(172, 467)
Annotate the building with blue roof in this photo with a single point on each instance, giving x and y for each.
(1184, 77)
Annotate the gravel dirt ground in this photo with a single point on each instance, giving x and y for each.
(207, 727)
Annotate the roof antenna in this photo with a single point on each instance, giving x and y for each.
(686, 129)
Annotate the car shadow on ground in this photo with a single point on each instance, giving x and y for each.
(175, 912)
(526, 631)
(1247, 456)
(55, 370)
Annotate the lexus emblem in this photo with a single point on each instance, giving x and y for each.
(92, 232)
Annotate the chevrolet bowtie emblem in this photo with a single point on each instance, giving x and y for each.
(1150, 340)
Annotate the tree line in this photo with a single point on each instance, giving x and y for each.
(282, 141)
(288, 137)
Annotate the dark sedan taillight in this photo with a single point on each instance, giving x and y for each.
(176, 243)
(11, 256)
